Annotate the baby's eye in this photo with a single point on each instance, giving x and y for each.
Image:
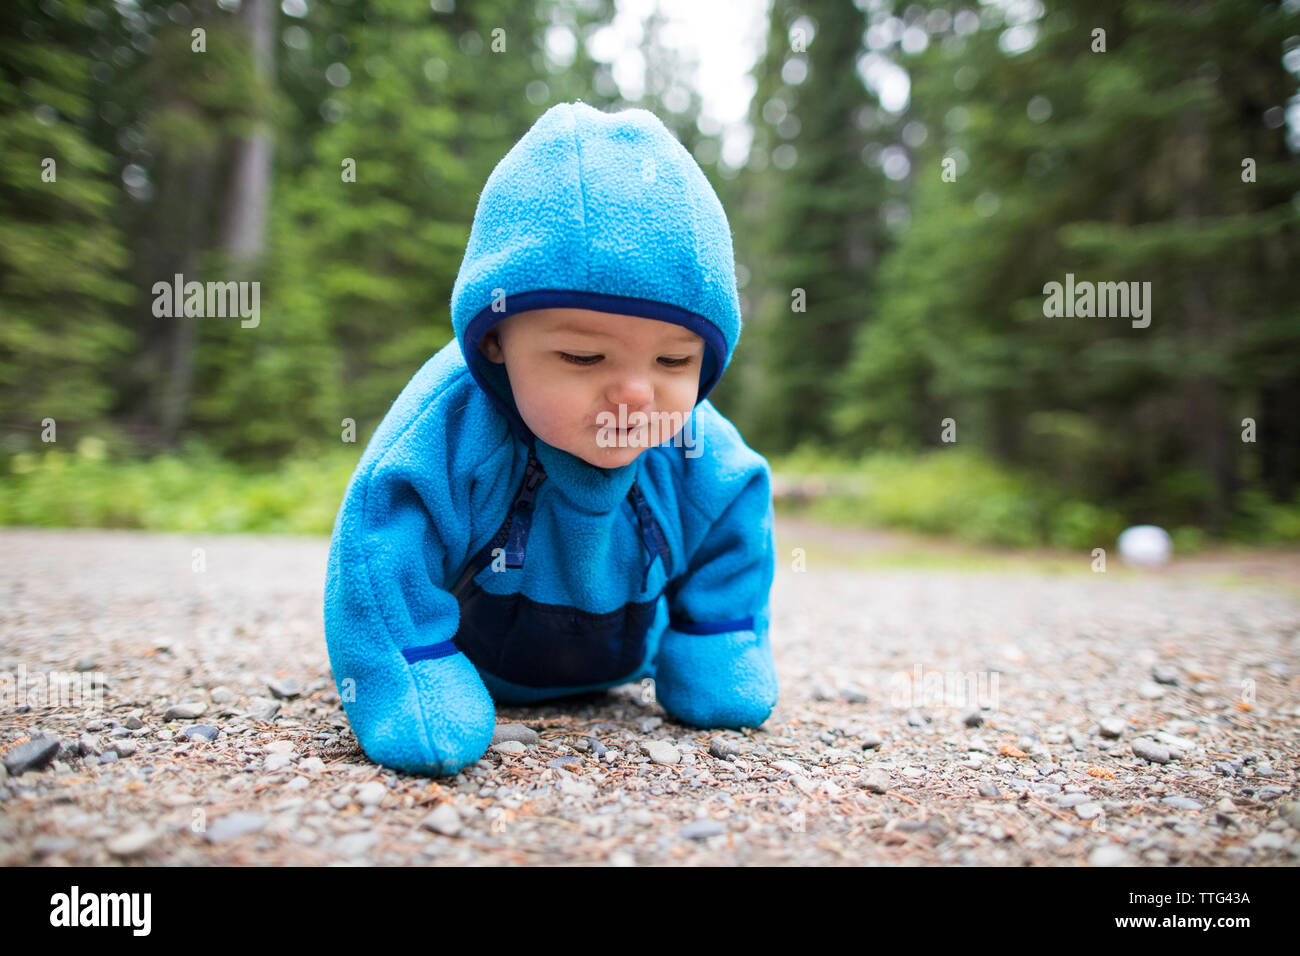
(676, 362)
(581, 359)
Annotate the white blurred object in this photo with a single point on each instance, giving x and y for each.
(1145, 545)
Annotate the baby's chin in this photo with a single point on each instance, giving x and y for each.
(613, 457)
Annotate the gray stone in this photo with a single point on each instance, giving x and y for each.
(876, 781)
(1150, 690)
(1164, 674)
(369, 794)
(356, 844)
(1087, 811)
(222, 695)
(720, 749)
(235, 825)
(649, 724)
(702, 829)
(201, 732)
(1290, 812)
(1108, 855)
(125, 748)
(132, 722)
(853, 695)
(1071, 799)
(185, 711)
(510, 747)
(1182, 803)
(871, 742)
(444, 819)
(662, 752)
(275, 762)
(262, 709)
(90, 745)
(31, 754)
(518, 732)
(285, 688)
(1150, 750)
(133, 843)
(973, 719)
(987, 788)
(1113, 727)
(1268, 840)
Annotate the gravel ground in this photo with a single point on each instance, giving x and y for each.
(927, 716)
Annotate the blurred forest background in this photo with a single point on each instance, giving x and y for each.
(881, 297)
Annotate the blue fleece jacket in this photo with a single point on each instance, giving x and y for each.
(472, 563)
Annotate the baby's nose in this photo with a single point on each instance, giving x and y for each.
(633, 392)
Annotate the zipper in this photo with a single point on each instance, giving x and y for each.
(652, 535)
(521, 514)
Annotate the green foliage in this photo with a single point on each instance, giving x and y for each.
(193, 491)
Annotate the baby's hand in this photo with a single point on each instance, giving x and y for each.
(716, 680)
(436, 718)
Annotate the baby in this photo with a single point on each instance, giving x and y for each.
(551, 506)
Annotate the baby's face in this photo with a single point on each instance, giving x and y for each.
(568, 367)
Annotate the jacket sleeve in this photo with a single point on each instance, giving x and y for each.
(714, 667)
(414, 701)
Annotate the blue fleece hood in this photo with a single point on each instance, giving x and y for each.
(600, 211)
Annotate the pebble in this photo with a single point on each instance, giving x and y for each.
(235, 825)
(720, 749)
(222, 695)
(702, 829)
(662, 752)
(871, 742)
(988, 788)
(1071, 799)
(90, 745)
(262, 709)
(201, 732)
(1182, 803)
(312, 765)
(340, 801)
(278, 747)
(1290, 812)
(125, 748)
(1113, 727)
(973, 719)
(274, 762)
(133, 843)
(790, 767)
(1164, 674)
(1108, 855)
(515, 732)
(369, 794)
(185, 711)
(1150, 750)
(1150, 690)
(1269, 840)
(649, 724)
(285, 688)
(510, 747)
(132, 722)
(356, 844)
(32, 754)
(876, 781)
(444, 819)
(853, 695)
(1087, 811)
